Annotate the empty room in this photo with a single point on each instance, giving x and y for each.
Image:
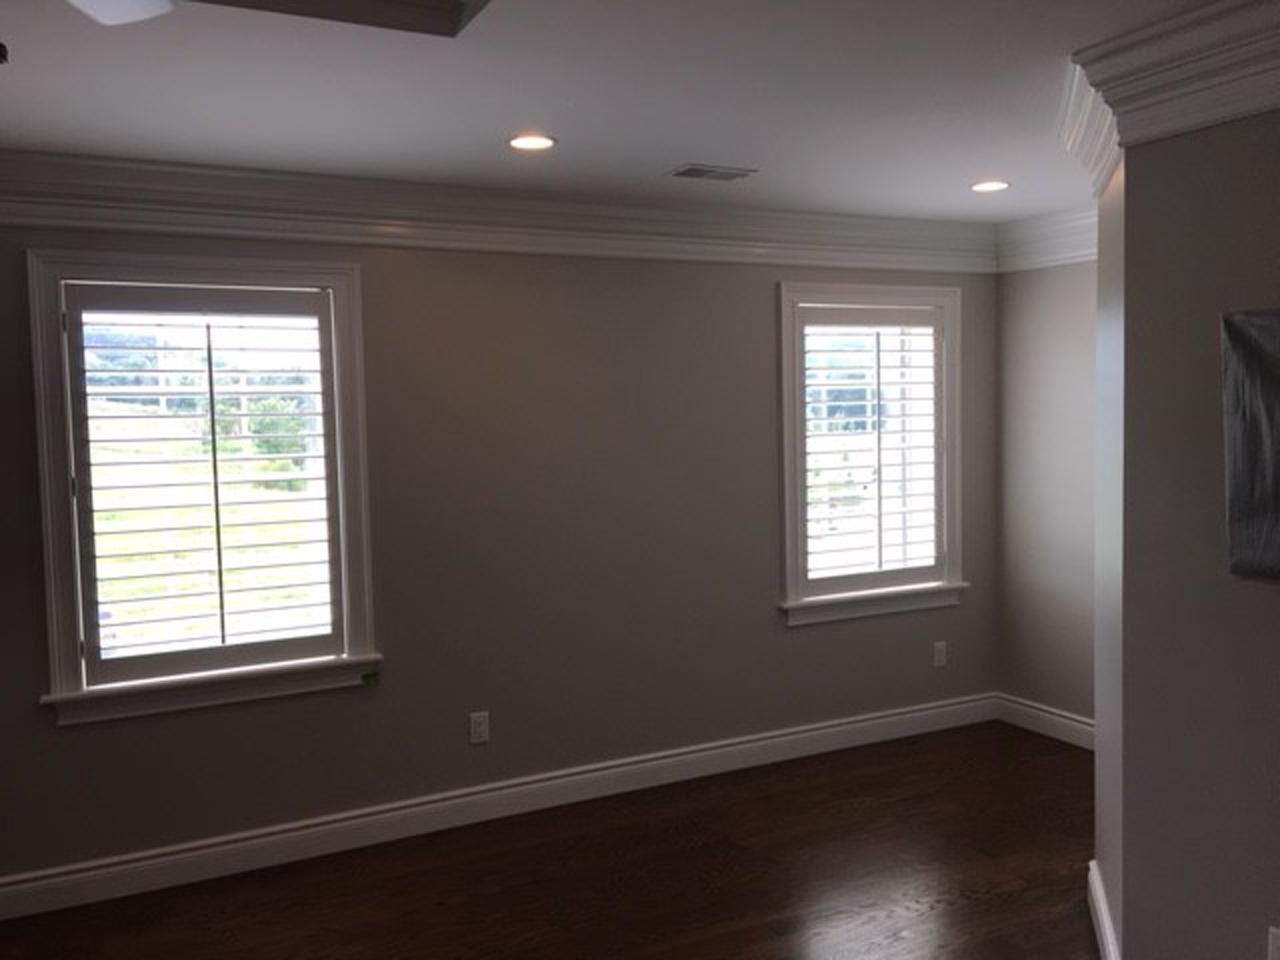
(640, 479)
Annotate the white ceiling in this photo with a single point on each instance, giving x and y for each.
(888, 107)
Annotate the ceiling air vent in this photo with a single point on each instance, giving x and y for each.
(706, 171)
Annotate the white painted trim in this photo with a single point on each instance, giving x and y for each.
(805, 305)
(119, 700)
(1087, 128)
(118, 876)
(45, 190)
(1048, 241)
(1100, 908)
(73, 692)
(1038, 717)
(1213, 64)
(180, 200)
(872, 603)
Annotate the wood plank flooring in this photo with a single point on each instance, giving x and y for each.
(969, 843)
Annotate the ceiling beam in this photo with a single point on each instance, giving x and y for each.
(442, 18)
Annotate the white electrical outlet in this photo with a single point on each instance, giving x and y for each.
(939, 653)
(1273, 943)
(480, 727)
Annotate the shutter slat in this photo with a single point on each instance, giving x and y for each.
(279, 586)
(275, 566)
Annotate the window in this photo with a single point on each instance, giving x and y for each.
(871, 420)
(200, 432)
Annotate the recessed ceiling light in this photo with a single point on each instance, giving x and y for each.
(113, 13)
(532, 142)
(989, 186)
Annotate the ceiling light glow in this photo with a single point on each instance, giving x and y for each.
(114, 13)
(532, 142)
(989, 186)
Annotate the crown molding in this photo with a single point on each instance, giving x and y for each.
(53, 190)
(1214, 64)
(1048, 241)
(1087, 128)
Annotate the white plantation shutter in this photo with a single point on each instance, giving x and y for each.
(203, 448)
(871, 422)
(871, 474)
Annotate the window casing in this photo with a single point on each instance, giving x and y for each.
(202, 463)
(871, 452)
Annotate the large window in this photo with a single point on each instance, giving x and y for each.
(871, 449)
(203, 480)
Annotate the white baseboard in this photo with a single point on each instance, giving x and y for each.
(118, 876)
(1052, 722)
(1100, 907)
(65, 886)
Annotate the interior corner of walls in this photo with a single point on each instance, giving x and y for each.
(1048, 320)
(1050, 240)
(1051, 721)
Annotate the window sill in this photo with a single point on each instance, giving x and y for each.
(117, 700)
(872, 603)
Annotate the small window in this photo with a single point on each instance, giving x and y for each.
(871, 449)
(203, 481)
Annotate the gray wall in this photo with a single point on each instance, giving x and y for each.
(1047, 331)
(574, 468)
(1108, 555)
(1201, 647)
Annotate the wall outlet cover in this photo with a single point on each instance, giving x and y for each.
(1273, 943)
(939, 653)
(479, 722)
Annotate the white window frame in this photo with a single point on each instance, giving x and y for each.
(75, 691)
(840, 598)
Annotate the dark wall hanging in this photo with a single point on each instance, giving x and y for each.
(1251, 409)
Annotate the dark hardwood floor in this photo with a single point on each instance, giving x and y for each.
(969, 843)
